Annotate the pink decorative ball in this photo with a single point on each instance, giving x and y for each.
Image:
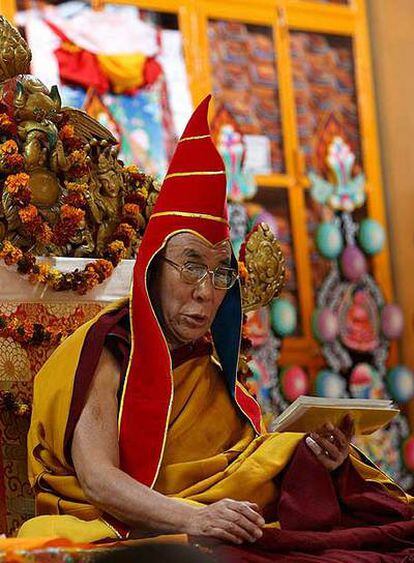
(294, 381)
(353, 263)
(364, 382)
(326, 325)
(265, 217)
(392, 321)
(408, 453)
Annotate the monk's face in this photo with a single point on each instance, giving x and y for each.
(186, 311)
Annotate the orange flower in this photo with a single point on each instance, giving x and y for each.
(77, 157)
(9, 253)
(17, 185)
(10, 159)
(9, 147)
(68, 138)
(115, 251)
(77, 187)
(69, 213)
(137, 197)
(6, 124)
(75, 199)
(69, 223)
(89, 279)
(53, 276)
(16, 182)
(134, 174)
(15, 161)
(41, 274)
(125, 233)
(44, 233)
(132, 210)
(77, 162)
(67, 131)
(103, 268)
(28, 214)
(31, 219)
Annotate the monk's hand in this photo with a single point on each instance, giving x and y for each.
(229, 520)
(330, 444)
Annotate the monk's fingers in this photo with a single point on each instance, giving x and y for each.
(348, 427)
(252, 505)
(221, 534)
(248, 510)
(321, 454)
(322, 447)
(337, 437)
(330, 449)
(241, 528)
(240, 520)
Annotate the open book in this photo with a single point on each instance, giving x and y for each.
(309, 413)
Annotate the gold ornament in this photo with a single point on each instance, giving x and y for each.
(57, 146)
(15, 55)
(266, 269)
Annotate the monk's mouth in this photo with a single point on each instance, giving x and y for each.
(196, 320)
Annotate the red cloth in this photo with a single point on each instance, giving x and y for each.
(316, 510)
(152, 71)
(374, 544)
(313, 499)
(77, 66)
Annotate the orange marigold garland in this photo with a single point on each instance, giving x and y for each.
(76, 195)
(9, 253)
(27, 333)
(73, 213)
(78, 163)
(17, 186)
(115, 251)
(68, 224)
(68, 138)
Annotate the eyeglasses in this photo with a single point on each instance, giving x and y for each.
(193, 274)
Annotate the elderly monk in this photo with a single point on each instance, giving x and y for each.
(137, 426)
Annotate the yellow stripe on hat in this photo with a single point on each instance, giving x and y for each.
(195, 173)
(192, 215)
(195, 138)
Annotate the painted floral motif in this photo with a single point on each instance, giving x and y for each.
(14, 361)
(344, 192)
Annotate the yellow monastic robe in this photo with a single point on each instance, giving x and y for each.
(210, 453)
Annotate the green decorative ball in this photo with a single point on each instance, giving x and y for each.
(284, 317)
(371, 236)
(329, 240)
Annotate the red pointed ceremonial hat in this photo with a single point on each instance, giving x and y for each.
(195, 184)
(192, 198)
